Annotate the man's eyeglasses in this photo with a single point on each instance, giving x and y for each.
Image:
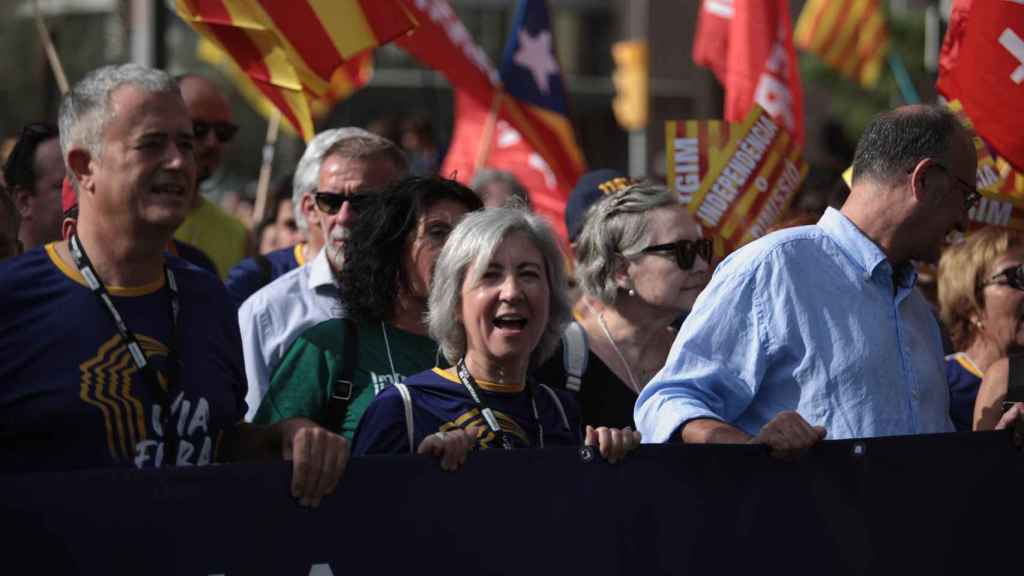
(224, 131)
(1012, 277)
(970, 191)
(331, 202)
(686, 251)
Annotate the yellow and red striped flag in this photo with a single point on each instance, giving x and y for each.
(291, 50)
(849, 35)
(346, 80)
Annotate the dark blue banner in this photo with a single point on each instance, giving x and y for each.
(947, 504)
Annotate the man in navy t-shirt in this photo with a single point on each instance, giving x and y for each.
(111, 353)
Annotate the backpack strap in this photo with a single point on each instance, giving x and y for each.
(574, 355)
(403, 390)
(558, 404)
(341, 395)
(1015, 379)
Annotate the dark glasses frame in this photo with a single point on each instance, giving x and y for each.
(224, 131)
(331, 202)
(971, 194)
(685, 251)
(1014, 276)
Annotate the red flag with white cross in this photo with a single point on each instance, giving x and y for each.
(982, 66)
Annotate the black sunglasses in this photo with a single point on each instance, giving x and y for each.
(331, 202)
(1014, 278)
(686, 251)
(224, 131)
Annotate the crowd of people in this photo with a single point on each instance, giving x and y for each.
(397, 312)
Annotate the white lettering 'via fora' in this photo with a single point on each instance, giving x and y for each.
(149, 450)
(1015, 46)
(200, 418)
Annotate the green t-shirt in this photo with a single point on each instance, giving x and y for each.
(306, 376)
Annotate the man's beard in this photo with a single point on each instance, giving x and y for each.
(336, 254)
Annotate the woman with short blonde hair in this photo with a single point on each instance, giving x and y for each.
(641, 260)
(981, 299)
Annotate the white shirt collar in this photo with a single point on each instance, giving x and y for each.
(320, 273)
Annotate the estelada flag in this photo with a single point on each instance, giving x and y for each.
(346, 80)
(760, 65)
(851, 36)
(532, 78)
(736, 179)
(291, 50)
(982, 66)
(442, 42)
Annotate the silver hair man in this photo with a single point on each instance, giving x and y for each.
(616, 226)
(86, 109)
(472, 244)
(307, 173)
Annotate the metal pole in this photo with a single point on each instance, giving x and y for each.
(143, 17)
(637, 13)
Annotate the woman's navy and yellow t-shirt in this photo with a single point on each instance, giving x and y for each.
(440, 403)
(70, 393)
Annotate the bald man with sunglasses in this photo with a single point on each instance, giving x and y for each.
(818, 330)
(222, 237)
(336, 173)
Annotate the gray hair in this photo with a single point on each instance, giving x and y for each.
(349, 142)
(487, 176)
(615, 227)
(85, 111)
(472, 245)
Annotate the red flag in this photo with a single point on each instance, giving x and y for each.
(509, 152)
(760, 60)
(982, 66)
(711, 42)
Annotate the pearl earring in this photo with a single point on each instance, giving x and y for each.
(631, 292)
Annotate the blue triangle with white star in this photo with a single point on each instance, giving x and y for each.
(529, 67)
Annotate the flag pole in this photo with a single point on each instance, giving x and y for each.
(263, 186)
(51, 51)
(903, 80)
(486, 140)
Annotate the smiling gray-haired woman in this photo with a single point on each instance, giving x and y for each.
(641, 262)
(497, 304)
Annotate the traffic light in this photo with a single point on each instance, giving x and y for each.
(631, 84)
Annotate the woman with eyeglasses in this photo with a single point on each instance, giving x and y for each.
(334, 369)
(981, 296)
(641, 262)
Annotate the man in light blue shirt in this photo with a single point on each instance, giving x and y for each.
(818, 330)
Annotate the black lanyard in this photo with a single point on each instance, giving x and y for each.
(145, 368)
(492, 421)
